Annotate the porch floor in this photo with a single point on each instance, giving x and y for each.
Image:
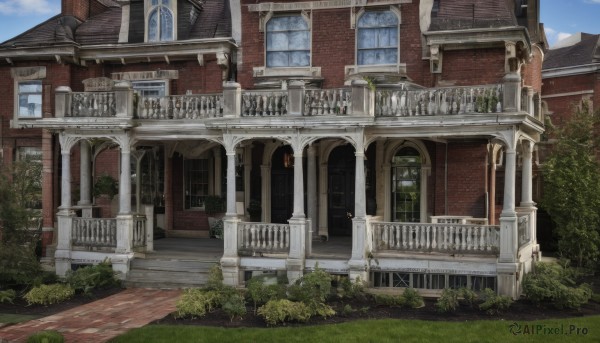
(204, 249)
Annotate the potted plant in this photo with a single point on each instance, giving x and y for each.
(254, 210)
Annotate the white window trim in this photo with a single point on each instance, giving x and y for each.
(148, 8)
(185, 186)
(25, 74)
(165, 81)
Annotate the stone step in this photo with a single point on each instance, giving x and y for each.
(172, 265)
(144, 275)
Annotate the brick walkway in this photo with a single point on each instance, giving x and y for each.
(100, 320)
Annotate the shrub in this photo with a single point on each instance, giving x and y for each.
(389, 300)
(283, 310)
(234, 306)
(19, 266)
(88, 278)
(49, 336)
(468, 295)
(494, 303)
(49, 294)
(412, 299)
(312, 288)
(7, 296)
(552, 283)
(260, 293)
(321, 309)
(196, 302)
(215, 278)
(448, 301)
(348, 289)
(347, 310)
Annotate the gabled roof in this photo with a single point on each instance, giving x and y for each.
(103, 28)
(586, 51)
(471, 14)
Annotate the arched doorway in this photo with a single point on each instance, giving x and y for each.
(406, 186)
(340, 199)
(282, 185)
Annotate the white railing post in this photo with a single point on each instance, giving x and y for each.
(62, 102)
(296, 98)
(124, 99)
(511, 99)
(232, 99)
(363, 99)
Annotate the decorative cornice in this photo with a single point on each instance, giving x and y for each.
(461, 38)
(318, 5)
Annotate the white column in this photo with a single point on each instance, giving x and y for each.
(295, 260)
(360, 196)
(230, 261)
(323, 174)
(312, 200)
(125, 217)
(360, 238)
(125, 181)
(265, 173)
(85, 174)
(65, 195)
(231, 212)
(298, 186)
(527, 175)
(62, 256)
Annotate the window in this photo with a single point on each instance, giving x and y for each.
(160, 21)
(30, 99)
(406, 186)
(288, 42)
(150, 89)
(377, 38)
(195, 183)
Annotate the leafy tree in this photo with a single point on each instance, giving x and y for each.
(572, 187)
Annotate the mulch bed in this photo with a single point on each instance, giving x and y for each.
(521, 310)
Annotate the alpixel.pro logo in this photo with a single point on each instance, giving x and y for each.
(545, 329)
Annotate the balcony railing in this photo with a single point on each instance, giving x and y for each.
(92, 104)
(181, 107)
(445, 238)
(264, 103)
(94, 232)
(259, 238)
(327, 102)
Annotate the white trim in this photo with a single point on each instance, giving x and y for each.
(549, 96)
(124, 32)
(318, 5)
(149, 8)
(569, 71)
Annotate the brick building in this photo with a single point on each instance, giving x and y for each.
(397, 124)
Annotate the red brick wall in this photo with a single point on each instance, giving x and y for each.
(562, 106)
(77, 8)
(532, 72)
(473, 67)
(466, 186)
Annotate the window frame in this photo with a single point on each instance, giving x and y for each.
(357, 36)
(266, 39)
(18, 94)
(187, 189)
(149, 8)
(139, 91)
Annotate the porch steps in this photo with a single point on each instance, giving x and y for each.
(170, 273)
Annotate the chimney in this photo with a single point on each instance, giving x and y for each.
(79, 9)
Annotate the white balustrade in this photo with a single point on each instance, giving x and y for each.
(264, 237)
(392, 102)
(92, 104)
(264, 103)
(523, 230)
(94, 232)
(327, 102)
(430, 237)
(181, 107)
(139, 231)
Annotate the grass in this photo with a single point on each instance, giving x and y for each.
(390, 330)
(7, 318)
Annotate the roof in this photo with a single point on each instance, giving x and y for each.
(470, 14)
(213, 21)
(586, 51)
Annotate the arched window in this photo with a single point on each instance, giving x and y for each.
(377, 38)
(160, 21)
(288, 41)
(406, 186)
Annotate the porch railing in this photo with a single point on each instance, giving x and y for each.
(264, 103)
(92, 104)
(327, 102)
(523, 229)
(394, 102)
(428, 237)
(181, 107)
(94, 232)
(139, 231)
(264, 237)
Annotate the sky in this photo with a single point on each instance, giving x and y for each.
(561, 18)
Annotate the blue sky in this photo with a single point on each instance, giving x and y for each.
(560, 17)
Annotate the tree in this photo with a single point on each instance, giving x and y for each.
(572, 187)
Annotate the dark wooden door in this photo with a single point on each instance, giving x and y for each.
(341, 191)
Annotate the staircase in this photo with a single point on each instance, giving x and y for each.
(162, 272)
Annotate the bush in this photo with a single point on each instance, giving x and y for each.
(7, 296)
(348, 289)
(260, 293)
(347, 310)
(215, 278)
(49, 336)
(281, 311)
(448, 301)
(234, 306)
(468, 295)
(412, 299)
(88, 278)
(494, 303)
(19, 266)
(552, 283)
(49, 294)
(312, 288)
(389, 300)
(196, 302)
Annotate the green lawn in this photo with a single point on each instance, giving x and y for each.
(15, 318)
(391, 330)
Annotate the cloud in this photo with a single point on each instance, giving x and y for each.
(28, 7)
(596, 2)
(554, 36)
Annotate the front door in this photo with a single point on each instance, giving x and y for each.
(341, 191)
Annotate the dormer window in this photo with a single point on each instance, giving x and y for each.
(160, 19)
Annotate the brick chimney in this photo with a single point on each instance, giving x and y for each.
(80, 9)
